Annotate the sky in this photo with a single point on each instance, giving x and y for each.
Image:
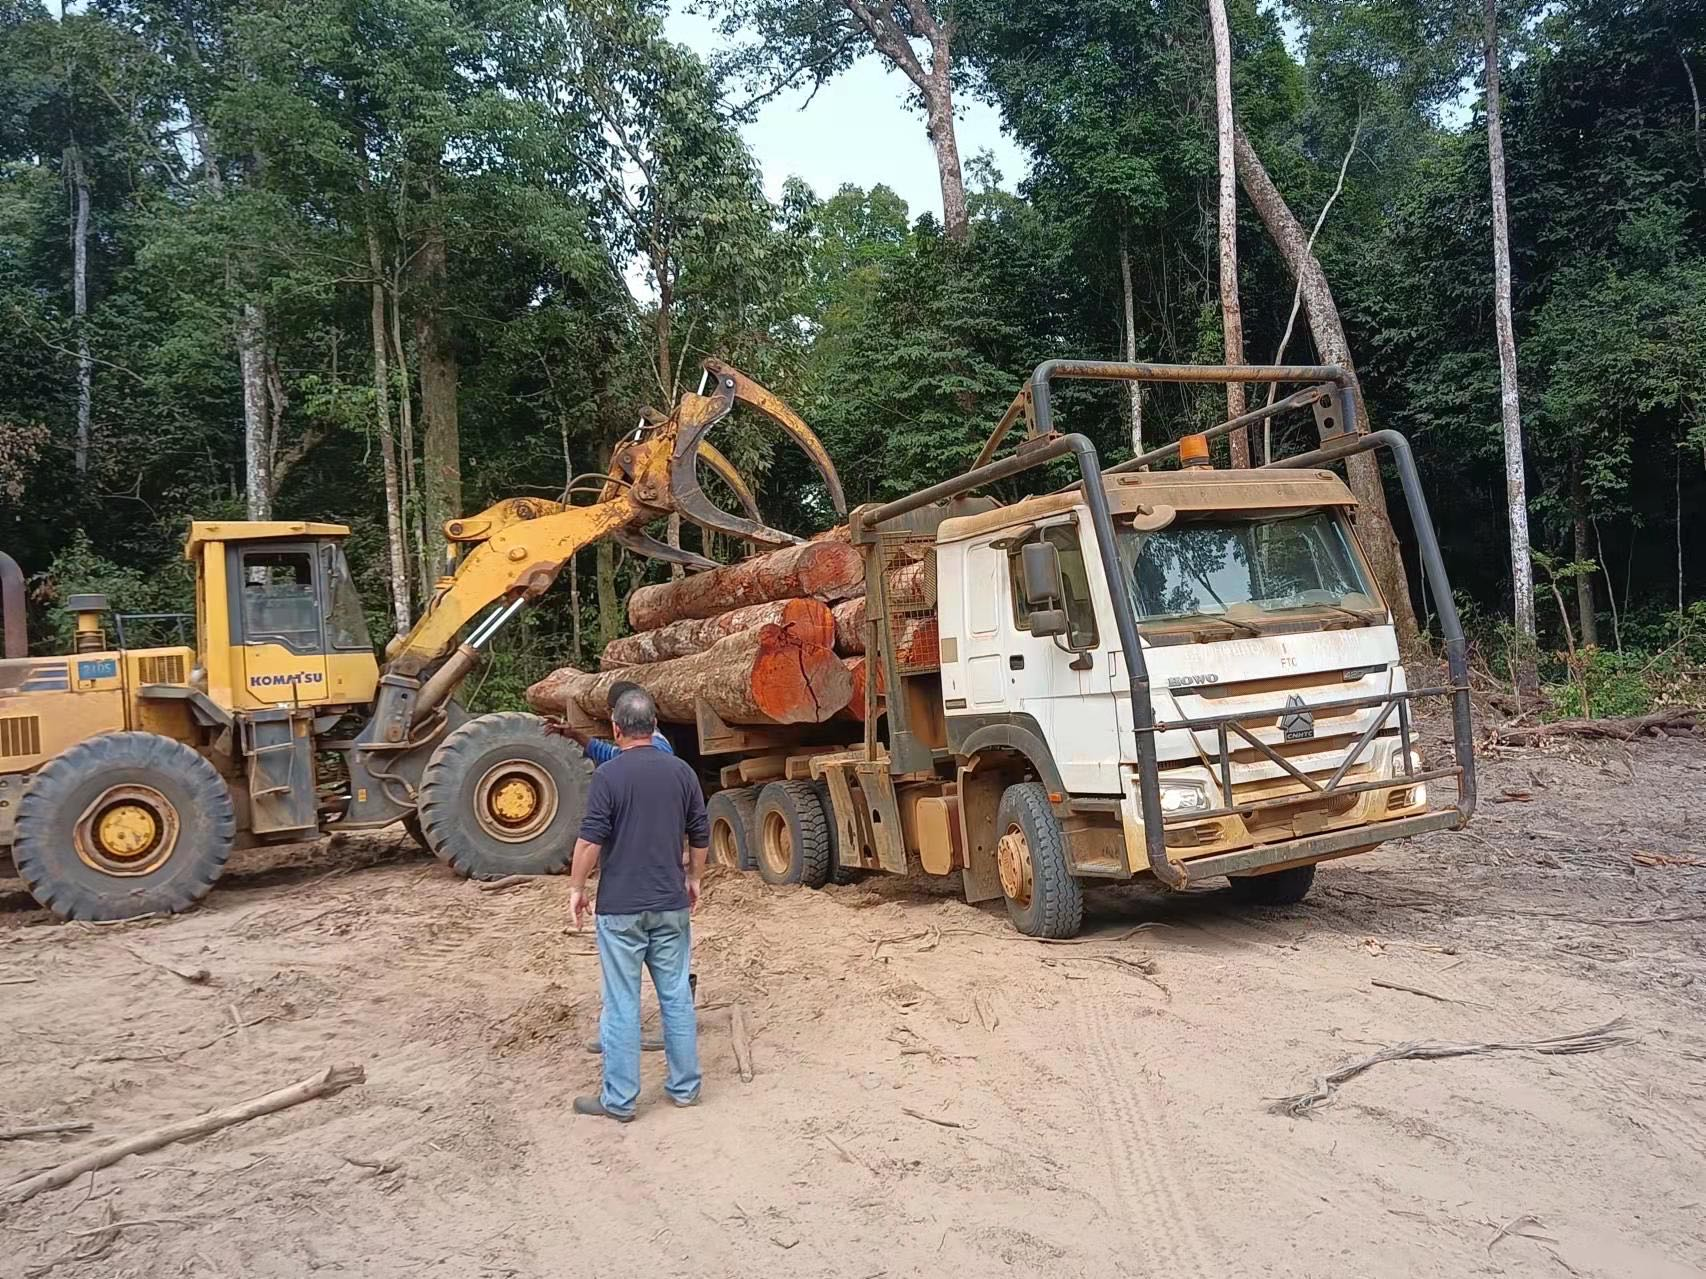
(858, 129)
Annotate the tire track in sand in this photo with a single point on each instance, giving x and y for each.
(1143, 1157)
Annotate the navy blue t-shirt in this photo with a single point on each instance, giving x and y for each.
(642, 806)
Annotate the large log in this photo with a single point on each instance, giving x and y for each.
(860, 669)
(819, 570)
(766, 676)
(809, 620)
(915, 636)
(849, 616)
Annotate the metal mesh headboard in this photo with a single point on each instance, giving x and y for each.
(908, 562)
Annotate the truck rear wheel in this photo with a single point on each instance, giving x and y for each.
(1279, 888)
(793, 844)
(501, 796)
(838, 874)
(1043, 898)
(730, 814)
(121, 825)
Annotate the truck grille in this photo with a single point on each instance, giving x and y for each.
(20, 736)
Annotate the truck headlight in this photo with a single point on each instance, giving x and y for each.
(1183, 797)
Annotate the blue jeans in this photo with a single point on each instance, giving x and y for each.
(661, 941)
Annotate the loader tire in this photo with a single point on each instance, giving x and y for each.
(838, 874)
(1043, 897)
(730, 815)
(793, 835)
(1279, 888)
(412, 824)
(501, 796)
(123, 824)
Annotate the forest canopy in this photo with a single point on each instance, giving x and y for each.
(387, 261)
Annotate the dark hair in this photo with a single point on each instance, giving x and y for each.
(617, 690)
(635, 713)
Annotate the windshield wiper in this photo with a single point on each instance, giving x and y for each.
(1227, 621)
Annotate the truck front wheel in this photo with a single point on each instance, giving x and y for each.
(1278, 888)
(1043, 898)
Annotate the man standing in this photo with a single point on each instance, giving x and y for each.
(643, 806)
(601, 750)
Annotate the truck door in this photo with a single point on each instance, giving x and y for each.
(1065, 692)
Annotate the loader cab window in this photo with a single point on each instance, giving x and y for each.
(346, 624)
(279, 601)
(1080, 613)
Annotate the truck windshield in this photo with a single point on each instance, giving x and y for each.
(1244, 570)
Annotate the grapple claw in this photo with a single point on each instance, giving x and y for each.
(645, 544)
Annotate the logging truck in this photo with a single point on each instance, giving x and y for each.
(1182, 674)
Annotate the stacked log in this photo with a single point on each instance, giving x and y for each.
(809, 621)
(860, 669)
(763, 676)
(915, 637)
(818, 570)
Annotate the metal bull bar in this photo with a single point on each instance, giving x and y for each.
(1044, 446)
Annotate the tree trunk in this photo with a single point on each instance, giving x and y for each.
(257, 436)
(1516, 482)
(409, 503)
(940, 127)
(1330, 342)
(1587, 623)
(673, 538)
(441, 445)
(822, 570)
(398, 557)
(574, 573)
(78, 175)
(609, 607)
(1232, 316)
(1134, 390)
(766, 676)
(807, 620)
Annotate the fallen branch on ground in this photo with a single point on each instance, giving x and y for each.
(1416, 990)
(742, 1043)
(508, 881)
(1597, 1039)
(931, 1119)
(1671, 720)
(45, 1130)
(331, 1080)
(195, 976)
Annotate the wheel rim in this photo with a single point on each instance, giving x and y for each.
(723, 849)
(128, 830)
(1013, 859)
(777, 844)
(515, 800)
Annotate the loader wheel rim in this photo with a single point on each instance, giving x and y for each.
(515, 800)
(1013, 859)
(776, 844)
(128, 830)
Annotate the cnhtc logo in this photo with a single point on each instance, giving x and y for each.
(1298, 722)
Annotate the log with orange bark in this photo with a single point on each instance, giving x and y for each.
(860, 669)
(763, 676)
(915, 637)
(808, 620)
(816, 570)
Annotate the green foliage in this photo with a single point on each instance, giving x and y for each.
(79, 569)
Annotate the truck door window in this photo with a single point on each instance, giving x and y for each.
(1080, 612)
(279, 604)
(346, 624)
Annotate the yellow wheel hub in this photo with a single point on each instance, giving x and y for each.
(1013, 859)
(127, 830)
(515, 801)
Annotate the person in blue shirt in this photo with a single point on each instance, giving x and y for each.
(601, 750)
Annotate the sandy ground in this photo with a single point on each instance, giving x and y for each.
(934, 1095)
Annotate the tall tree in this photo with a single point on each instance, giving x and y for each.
(1510, 410)
(1231, 313)
(793, 42)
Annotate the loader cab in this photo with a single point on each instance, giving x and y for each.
(278, 620)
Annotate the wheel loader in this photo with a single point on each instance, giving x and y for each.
(128, 775)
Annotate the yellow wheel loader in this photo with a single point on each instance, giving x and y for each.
(128, 775)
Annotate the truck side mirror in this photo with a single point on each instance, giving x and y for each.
(1046, 622)
(1040, 564)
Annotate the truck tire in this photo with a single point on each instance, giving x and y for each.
(1280, 888)
(730, 814)
(838, 874)
(123, 824)
(793, 839)
(501, 796)
(1043, 897)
